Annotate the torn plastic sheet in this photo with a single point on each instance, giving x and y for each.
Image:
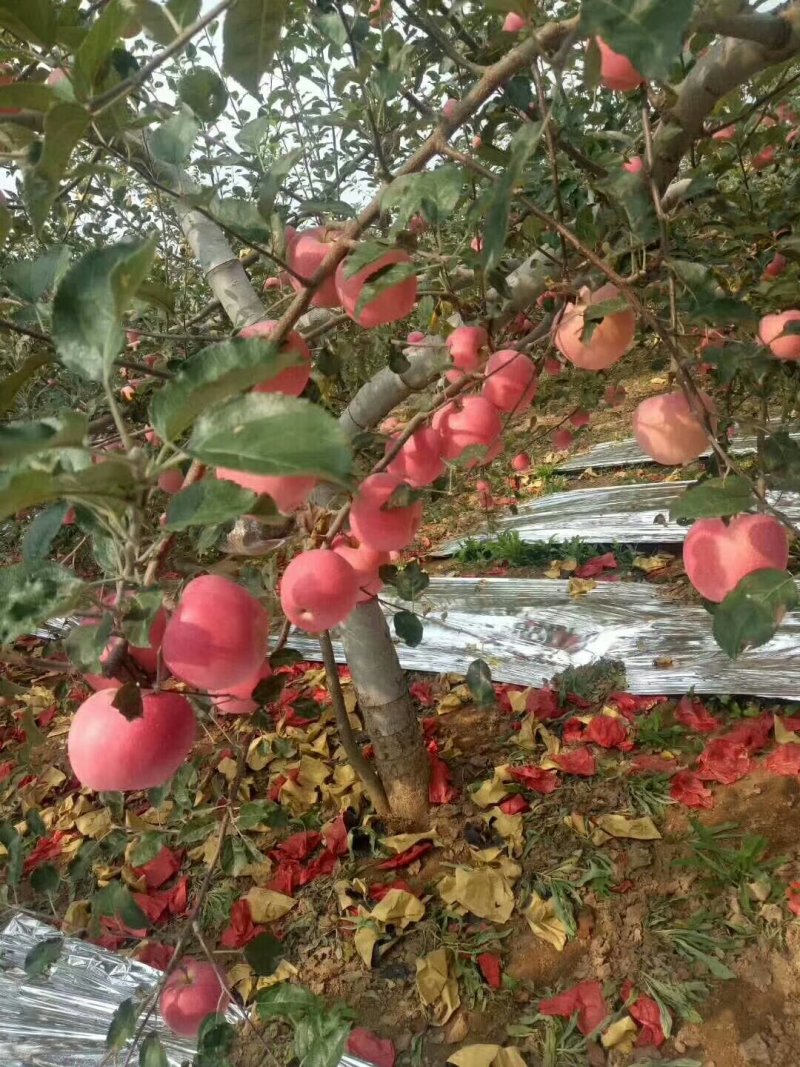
(527, 630)
(631, 514)
(628, 454)
(61, 1019)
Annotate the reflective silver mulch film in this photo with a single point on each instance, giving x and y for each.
(61, 1019)
(627, 454)
(527, 630)
(632, 514)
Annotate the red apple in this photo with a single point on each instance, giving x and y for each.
(193, 991)
(717, 556)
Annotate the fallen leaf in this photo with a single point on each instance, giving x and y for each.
(696, 716)
(365, 939)
(509, 1057)
(642, 829)
(490, 967)
(485, 892)
(648, 564)
(688, 789)
(580, 586)
(585, 999)
(724, 760)
(437, 985)
(378, 1051)
(402, 842)
(76, 917)
(95, 824)
(544, 922)
(399, 908)
(510, 827)
(493, 790)
(475, 1056)
(266, 905)
(620, 1035)
(784, 736)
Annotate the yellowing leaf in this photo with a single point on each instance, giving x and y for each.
(298, 798)
(580, 586)
(569, 565)
(365, 939)
(784, 736)
(400, 842)
(509, 1057)
(492, 791)
(518, 700)
(437, 985)
(643, 829)
(648, 564)
(554, 570)
(475, 1056)
(95, 824)
(227, 767)
(484, 891)
(242, 978)
(266, 905)
(510, 828)
(398, 907)
(449, 703)
(259, 754)
(313, 772)
(76, 917)
(544, 922)
(620, 1035)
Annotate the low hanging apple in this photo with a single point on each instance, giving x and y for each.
(366, 563)
(238, 699)
(293, 380)
(510, 383)
(305, 252)
(771, 333)
(419, 461)
(193, 991)
(318, 590)
(289, 492)
(217, 636)
(462, 423)
(393, 303)
(110, 753)
(609, 342)
(616, 70)
(379, 525)
(669, 431)
(717, 556)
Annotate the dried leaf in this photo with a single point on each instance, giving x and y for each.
(266, 905)
(544, 922)
(401, 842)
(784, 736)
(643, 829)
(76, 917)
(94, 824)
(365, 939)
(437, 985)
(508, 1057)
(493, 790)
(399, 908)
(580, 586)
(475, 1056)
(621, 1035)
(648, 564)
(484, 892)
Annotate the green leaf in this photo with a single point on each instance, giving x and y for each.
(11, 385)
(258, 813)
(153, 18)
(269, 433)
(42, 531)
(703, 299)
(410, 581)
(780, 460)
(146, 848)
(32, 593)
(122, 1026)
(751, 613)
(213, 374)
(128, 701)
(204, 92)
(285, 657)
(42, 956)
(185, 12)
(271, 183)
(32, 96)
(98, 43)
(366, 253)
(30, 20)
(140, 613)
(408, 627)
(85, 645)
(523, 144)
(64, 125)
(45, 879)
(91, 300)
(319, 1039)
(33, 819)
(29, 279)
(649, 32)
(284, 1001)
(714, 498)
(108, 483)
(172, 141)
(19, 439)
(382, 280)
(479, 682)
(263, 953)
(633, 197)
(214, 1041)
(433, 193)
(115, 900)
(250, 37)
(152, 1053)
(208, 503)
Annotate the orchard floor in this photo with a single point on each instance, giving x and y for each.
(689, 904)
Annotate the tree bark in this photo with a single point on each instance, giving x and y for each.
(389, 717)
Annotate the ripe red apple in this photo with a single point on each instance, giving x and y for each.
(611, 339)
(318, 590)
(366, 563)
(58, 76)
(514, 23)
(776, 266)
(510, 383)
(416, 337)
(617, 71)
(145, 656)
(237, 699)
(289, 492)
(717, 557)
(634, 165)
(521, 462)
(484, 491)
(272, 283)
(770, 330)
(476, 244)
(464, 345)
(193, 991)
(217, 635)
(109, 752)
(449, 108)
(393, 303)
(669, 431)
(419, 461)
(763, 158)
(726, 134)
(171, 481)
(381, 527)
(562, 439)
(152, 437)
(304, 253)
(463, 423)
(417, 224)
(293, 380)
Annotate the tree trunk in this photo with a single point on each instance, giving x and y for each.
(389, 716)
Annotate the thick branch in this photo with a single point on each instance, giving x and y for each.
(728, 64)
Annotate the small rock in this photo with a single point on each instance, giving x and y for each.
(689, 1037)
(754, 1050)
(402, 1041)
